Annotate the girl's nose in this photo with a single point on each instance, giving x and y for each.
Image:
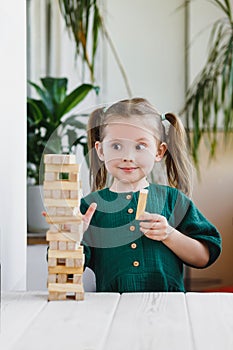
(127, 159)
(128, 156)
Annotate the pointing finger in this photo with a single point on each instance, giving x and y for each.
(89, 213)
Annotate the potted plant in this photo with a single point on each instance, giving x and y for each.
(209, 100)
(47, 124)
(84, 23)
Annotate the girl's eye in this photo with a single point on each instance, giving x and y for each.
(116, 146)
(140, 147)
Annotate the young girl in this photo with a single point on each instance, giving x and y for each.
(145, 255)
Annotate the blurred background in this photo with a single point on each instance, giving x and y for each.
(146, 48)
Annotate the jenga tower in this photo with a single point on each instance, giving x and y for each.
(65, 255)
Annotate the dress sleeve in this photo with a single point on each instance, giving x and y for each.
(88, 250)
(195, 225)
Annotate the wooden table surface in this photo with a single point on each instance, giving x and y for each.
(110, 321)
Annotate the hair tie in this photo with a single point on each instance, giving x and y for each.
(163, 117)
(105, 109)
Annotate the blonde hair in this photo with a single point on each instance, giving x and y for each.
(178, 165)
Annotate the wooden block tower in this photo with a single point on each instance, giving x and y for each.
(62, 192)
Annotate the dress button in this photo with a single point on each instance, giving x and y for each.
(132, 228)
(133, 245)
(136, 263)
(128, 196)
(130, 210)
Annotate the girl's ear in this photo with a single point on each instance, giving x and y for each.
(99, 150)
(160, 152)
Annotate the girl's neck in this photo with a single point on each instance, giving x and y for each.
(119, 186)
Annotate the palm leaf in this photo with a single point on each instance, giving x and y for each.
(210, 95)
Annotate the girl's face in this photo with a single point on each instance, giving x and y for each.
(129, 151)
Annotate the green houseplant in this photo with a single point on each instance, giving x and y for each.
(48, 121)
(85, 23)
(209, 100)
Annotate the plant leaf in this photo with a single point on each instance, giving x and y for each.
(74, 98)
(56, 87)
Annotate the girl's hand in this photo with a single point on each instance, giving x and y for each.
(88, 216)
(155, 226)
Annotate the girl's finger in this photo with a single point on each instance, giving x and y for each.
(89, 213)
(150, 217)
(150, 225)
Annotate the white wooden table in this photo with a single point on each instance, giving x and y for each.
(104, 321)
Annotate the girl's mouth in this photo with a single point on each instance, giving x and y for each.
(128, 169)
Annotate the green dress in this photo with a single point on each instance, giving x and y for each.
(125, 260)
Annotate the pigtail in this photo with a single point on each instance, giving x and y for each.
(178, 164)
(98, 173)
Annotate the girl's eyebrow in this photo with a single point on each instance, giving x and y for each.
(124, 138)
(142, 139)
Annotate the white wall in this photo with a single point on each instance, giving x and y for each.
(149, 38)
(13, 144)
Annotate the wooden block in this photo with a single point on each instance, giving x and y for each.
(56, 296)
(51, 202)
(141, 203)
(48, 158)
(52, 262)
(52, 278)
(62, 245)
(71, 245)
(65, 269)
(59, 159)
(74, 194)
(50, 176)
(61, 236)
(62, 168)
(47, 194)
(78, 262)
(56, 194)
(65, 287)
(66, 254)
(70, 263)
(69, 211)
(62, 278)
(79, 296)
(61, 185)
(74, 177)
(54, 228)
(61, 211)
(78, 227)
(77, 278)
(65, 194)
(52, 211)
(53, 245)
(64, 220)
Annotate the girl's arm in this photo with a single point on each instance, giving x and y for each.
(189, 250)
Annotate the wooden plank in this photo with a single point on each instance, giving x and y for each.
(59, 159)
(56, 168)
(63, 254)
(65, 287)
(61, 236)
(51, 202)
(71, 324)
(211, 318)
(61, 185)
(65, 269)
(18, 310)
(150, 321)
(63, 219)
(141, 203)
